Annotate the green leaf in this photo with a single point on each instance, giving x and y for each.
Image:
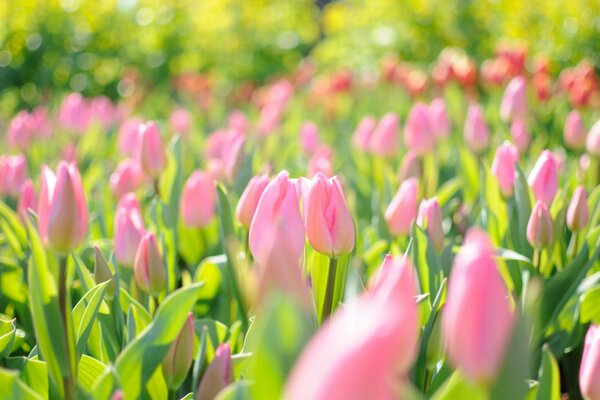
(549, 380)
(236, 391)
(590, 306)
(11, 387)
(458, 387)
(33, 373)
(90, 371)
(85, 312)
(8, 330)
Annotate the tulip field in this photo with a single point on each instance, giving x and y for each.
(320, 231)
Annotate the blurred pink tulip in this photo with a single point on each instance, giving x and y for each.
(520, 135)
(128, 230)
(592, 142)
(249, 199)
(269, 118)
(225, 152)
(574, 131)
(543, 178)
(418, 133)
(238, 122)
(151, 150)
(127, 177)
(62, 211)
(13, 173)
(198, 200)
(478, 318)
(411, 166)
(148, 268)
(514, 101)
(539, 227)
(180, 121)
(364, 132)
(21, 131)
(477, 134)
(103, 111)
(402, 211)
(438, 118)
(128, 136)
(365, 360)
(384, 140)
(503, 167)
(27, 200)
(309, 137)
(589, 371)
(218, 374)
(321, 161)
(430, 218)
(578, 212)
(177, 362)
(74, 114)
(329, 225)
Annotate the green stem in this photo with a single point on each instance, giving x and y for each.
(64, 312)
(537, 259)
(329, 289)
(574, 245)
(426, 380)
(172, 393)
(156, 188)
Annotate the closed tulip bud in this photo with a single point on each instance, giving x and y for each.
(218, 374)
(180, 121)
(238, 122)
(309, 137)
(520, 135)
(62, 211)
(103, 273)
(411, 166)
(384, 140)
(177, 362)
(13, 173)
(21, 131)
(364, 132)
(539, 227)
(269, 118)
(402, 211)
(127, 177)
(578, 213)
(198, 200)
(329, 225)
(151, 150)
(543, 178)
(129, 230)
(430, 218)
(381, 348)
(477, 134)
(27, 200)
(74, 114)
(128, 136)
(514, 101)
(148, 268)
(321, 161)
(246, 207)
(477, 314)
(438, 118)
(574, 132)
(592, 142)
(589, 371)
(418, 134)
(503, 167)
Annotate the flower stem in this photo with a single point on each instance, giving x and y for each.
(64, 312)
(329, 289)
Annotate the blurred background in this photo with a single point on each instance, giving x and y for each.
(109, 46)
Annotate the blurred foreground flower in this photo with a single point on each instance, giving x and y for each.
(149, 270)
(589, 372)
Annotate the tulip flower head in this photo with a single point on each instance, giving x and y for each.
(589, 371)
(543, 178)
(430, 218)
(149, 269)
(477, 133)
(514, 101)
(574, 131)
(198, 200)
(438, 118)
(180, 121)
(520, 135)
(128, 176)
(27, 200)
(578, 212)
(218, 374)
(13, 174)
(539, 227)
(151, 150)
(364, 132)
(402, 211)
(177, 363)
(418, 133)
(129, 230)
(249, 199)
(309, 137)
(503, 167)
(592, 142)
(384, 140)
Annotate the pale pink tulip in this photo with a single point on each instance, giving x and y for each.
(198, 200)
(402, 211)
(430, 218)
(128, 230)
(514, 101)
(503, 167)
(27, 200)
(151, 150)
(589, 371)
(418, 133)
(218, 374)
(238, 122)
(411, 166)
(543, 178)
(477, 133)
(309, 137)
(103, 111)
(364, 132)
(75, 114)
(574, 131)
(520, 135)
(148, 268)
(384, 141)
(438, 118)
(127, 177)
(249, 199)
(177, 362)
(21, 131)
(128, 136)
(592, 142)
(180, 121)
(321, 161)
(13, 173)
(539, 227)
(578, 212)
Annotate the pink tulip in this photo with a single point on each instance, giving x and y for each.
(539, 227)
(364, 132)
(329, 225)
(438, 118)
(249, 199)
(177, 362)
(589, 371)
(276, 238)
(418, 133)
(402, 211)
(43, 128)
(514, 101)
(503, 167)
(477, 134)
(269, 118)
(128, 136)
(21, 131)
(384, 141)
(218, 374)
(103, 111)
(62, 211)
(411, 166)
(180, 121)
(365, 360)
(520, 135)
(238, 122)
(148, 268)
(151, 150)
(430, 218)
(309, 137)
(578, 212)
(198, 200)
(478, 318)
(225, 151)
(129, 230)
(27, 199)
(74, 114)
(321, 161)
(574, 132)
(592, 142)
(127, 177)
(13, 173)
(543, 178)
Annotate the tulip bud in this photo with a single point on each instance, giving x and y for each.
(74, 114)
(149, 270)
(592, 142)
(127, 177)
(438, 118)
(477, 134)
(129, 230)
(430, 218)
(589, 371)
(21, 131)
(539, 227)
(578, 212)
(574, 132)
(543, 178)
(13, 173)
(103, 273)
(520, 135)
(477, 314)
(503, 167)
(246, 207)
(411, 166)
(176, 364)
(180, 121)
(62, 211)
(128, 136)
(514, 101)
(384, 140)
(418, 134)
(218, 374)
(269, 118)
(198, 200)
(27, 200)
(321, 161)
(238, 122)
(364, 132)
(151, 150)
(329, 225)
(309, 137)
(402, 211)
